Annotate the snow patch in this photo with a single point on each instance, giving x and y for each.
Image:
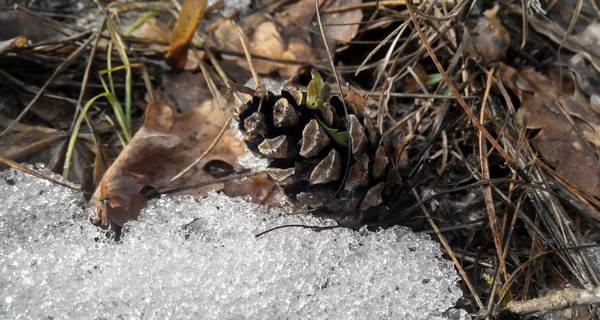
(199, 259)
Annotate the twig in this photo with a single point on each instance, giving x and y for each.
(233, 176)
(313, 228)
(36, 174)
(559, 300)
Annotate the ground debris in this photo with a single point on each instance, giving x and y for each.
(568, 125)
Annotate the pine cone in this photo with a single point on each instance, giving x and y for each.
(320, 157)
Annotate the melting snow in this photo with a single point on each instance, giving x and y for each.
(55, 264)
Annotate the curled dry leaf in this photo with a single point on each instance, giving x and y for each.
(135, 167)
(489, 37)
(190, 15)
(165, 145)
(568, 126)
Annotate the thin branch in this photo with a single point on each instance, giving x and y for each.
(558, 300)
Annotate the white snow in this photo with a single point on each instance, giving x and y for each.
(229, 6)
(55, 264)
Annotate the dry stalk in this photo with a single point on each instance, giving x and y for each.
(558, 300)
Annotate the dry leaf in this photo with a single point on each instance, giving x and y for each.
(490, 39)
(190, 15)
(287, 36)
(585, 43)
(167, 144)
(185, 90)
(25, 24)
(573, 151)
(342, 26)
(34, 144)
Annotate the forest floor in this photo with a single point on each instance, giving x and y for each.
(487, 115)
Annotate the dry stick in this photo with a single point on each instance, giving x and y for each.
(574, 18)
(337, 80)
(517, 271)
(204, 154)
(460, 100)
(86, 77)
(448, 249)
(56, 72)
(487, 192)
(34, 173)
(248, 56)
(313, 228)
(559, 300)
(84, 82)
(233, 176)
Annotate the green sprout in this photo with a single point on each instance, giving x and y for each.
(340, 137)
(317, 91)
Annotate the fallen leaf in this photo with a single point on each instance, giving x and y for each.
(585, 43)
(568, 144)
(26, 24)
(490, 39)
(167, 143)
(35, 144)
(190, 15)
(341, 26)
(290, 35)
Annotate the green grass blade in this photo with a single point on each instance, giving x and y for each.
(75, 133)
